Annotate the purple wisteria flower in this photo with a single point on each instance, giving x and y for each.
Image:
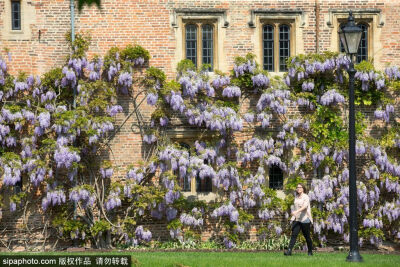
(106, 173)
(176, 102)
(260, 80)
(20, 86)
(37, 176)
(248, 67)
(53, 198)
(229, 243)
(331, 97)
(113, 199)
(139, 61)
(114, 110)
(78, 65)
(231, 91)
(171, 196)
(249, 117)
(125, 81)
(226, 210)
(64, 157)
(384, 114)
(81, 194)
(11, 175)
(194, 218)
(152, 99)
(44, 120)
(393, 73)
(13, 206)
(95, 69)
(307, 86)
(189, 89)
(149, 139)
(143, 235)
(137, 174)
(164, 121)
(112, 72)
(221, 81)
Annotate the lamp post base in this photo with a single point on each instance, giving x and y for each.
(354, 256)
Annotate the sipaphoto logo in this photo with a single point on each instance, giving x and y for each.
(65, 260)
(19, 261)
(27, 261)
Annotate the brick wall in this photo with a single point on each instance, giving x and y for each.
(148, 23)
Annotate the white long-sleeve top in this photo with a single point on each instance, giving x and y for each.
(299, 202)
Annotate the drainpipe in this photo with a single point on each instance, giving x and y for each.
(73, 36)
(72, 20)
(74, 101)
(316, 26)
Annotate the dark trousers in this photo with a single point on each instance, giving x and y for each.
(305, 228)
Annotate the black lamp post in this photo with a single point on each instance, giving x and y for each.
(350, 36)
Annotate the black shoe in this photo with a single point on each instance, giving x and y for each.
(310, 253)
(288, 252)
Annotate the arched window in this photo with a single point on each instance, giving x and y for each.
(16, 15)
(203, 185)
(268, 47)
(184, 182)
(191, 43)
(284, 46)
(275, 177)
(362, 53)
(207, 44)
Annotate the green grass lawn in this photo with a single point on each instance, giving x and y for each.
(251, 259)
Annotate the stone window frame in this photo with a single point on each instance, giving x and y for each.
(276, 25)
(28, 17)
(295, 18)
(199, 23)
(368, 16)
(189, 136)
(216, 16)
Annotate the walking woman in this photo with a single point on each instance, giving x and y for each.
(302, 219)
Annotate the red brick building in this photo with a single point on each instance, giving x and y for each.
(206, 31)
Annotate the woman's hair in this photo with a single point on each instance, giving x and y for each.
(304, 188)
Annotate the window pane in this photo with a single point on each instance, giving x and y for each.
(207, 39)
(184, 181)
(284, 46)
(16, 15)
(362, 53)
(191, 43)
(205, 184)
(268, 47)
(341, 47)
(275, 177)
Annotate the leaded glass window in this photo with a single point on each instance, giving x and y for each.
(207, 40)
(200, 43)
(184, 182)
(191, 43)
(16, 15)
(284, 46)
(276, 44)
(203, 185)
(362, 53)
(268, 47)
(275, 177)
